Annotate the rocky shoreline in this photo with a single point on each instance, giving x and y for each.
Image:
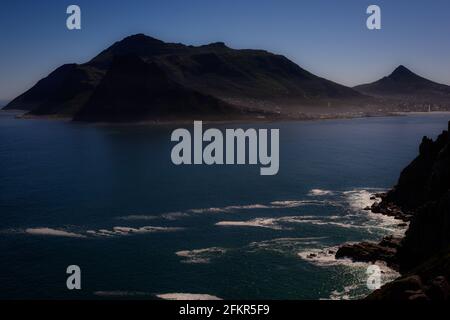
(386, 249)
(390, 209)
(421, 199)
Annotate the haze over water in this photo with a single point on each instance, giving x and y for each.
(109, 199)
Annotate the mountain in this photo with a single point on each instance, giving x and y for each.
(227, 73)
(403, 84)
(171, 79)
(62, 92)
(134, 90)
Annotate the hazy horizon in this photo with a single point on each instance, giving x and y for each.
(328, 40)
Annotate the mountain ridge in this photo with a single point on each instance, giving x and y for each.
(247, 79)
(258, 83)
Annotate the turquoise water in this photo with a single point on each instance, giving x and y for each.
(109, 199)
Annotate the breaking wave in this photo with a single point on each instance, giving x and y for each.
(198, 256)
(230, 208)
(52, 232)
(187, 296)
(270, 223)
(359, 199)
(372, 223)
(347, 293)
(325, 257)
(285, 245)
(115, 231)
(125, 231)
(319, 192)
(279, 204)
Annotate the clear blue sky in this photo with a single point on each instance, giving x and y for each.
(326, 37)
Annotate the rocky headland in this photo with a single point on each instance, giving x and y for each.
(422, 198)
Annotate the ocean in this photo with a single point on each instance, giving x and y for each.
(108, 199)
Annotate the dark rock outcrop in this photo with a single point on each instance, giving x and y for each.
(428, 234)
(423, 256)
(390, 209)
(423, 190)
(421, 196)
(426, 179)
(428, 281)
(385, 250)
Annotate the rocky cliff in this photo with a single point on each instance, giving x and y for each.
(421, 196)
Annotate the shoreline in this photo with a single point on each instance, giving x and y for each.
(383, 250)
(421, 255)
(21, 114)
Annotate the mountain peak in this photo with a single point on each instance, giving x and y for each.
(402, 71)
(405, 85)
(124, 74)
(137, 44)
(140, 37)
(217, 45)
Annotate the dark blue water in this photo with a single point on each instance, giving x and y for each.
(223, 231)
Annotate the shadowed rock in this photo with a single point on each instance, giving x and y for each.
(424, 254)
(371, 252)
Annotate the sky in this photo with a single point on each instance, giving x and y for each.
(326, 37)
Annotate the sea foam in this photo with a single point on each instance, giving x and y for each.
(53, 232)
(187, 296)
(198, 256)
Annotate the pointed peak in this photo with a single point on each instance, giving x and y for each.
(401, 70)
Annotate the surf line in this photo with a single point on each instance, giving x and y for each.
(229, 150)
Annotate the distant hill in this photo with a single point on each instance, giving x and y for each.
(405, 85)
(141, 78)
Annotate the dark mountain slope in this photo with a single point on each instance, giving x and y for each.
(138, 44)
(62, 92)
(405, 85)
(133, 90)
